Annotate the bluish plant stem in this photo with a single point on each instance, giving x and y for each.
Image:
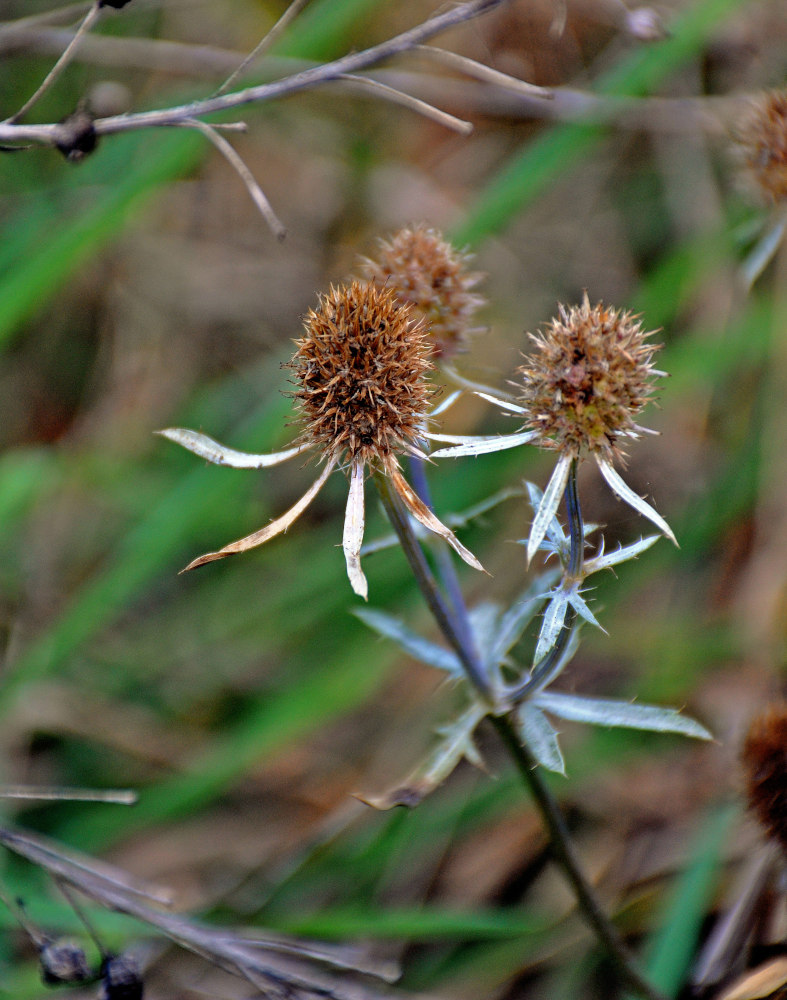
(560, 841)
(576, 527)
(445, 565)
(400, 521)
(565, 856)
(576, 557)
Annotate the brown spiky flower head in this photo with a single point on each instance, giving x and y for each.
(581, 388)
(589, 376)
(360, 371)
(761, 143)
(764, 758)
(433, 277)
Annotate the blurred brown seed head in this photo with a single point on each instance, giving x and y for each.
(432, 276)
(588, 377)
(361, 368)
(761, 145)
(764, 759)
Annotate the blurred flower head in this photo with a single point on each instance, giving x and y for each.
(589, 376)
(761, 144)
(764, 759)
(360, 371)
(433, 277)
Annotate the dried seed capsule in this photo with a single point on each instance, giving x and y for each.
(121, 979)
(361, 367)
(63, 961)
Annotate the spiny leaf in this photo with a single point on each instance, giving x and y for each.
(611, 712)
(414, 644)
(540, 736)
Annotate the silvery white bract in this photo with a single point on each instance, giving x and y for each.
(568, 594)
(541, 736)
(555, 489)
(495, 632)
(453, 521)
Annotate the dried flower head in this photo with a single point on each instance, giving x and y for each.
(589, 376)
(761, 144)
(587, 380)
(764, 759)
(431, 275)
(361, 371)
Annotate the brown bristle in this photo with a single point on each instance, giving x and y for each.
(361, 366)
(587, 379)
(432, 276)
(764, 757)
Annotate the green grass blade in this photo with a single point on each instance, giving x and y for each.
(670, 952)
(133, 169)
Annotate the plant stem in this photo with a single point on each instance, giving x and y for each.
(444, 562)
(560, 841)
(314, 76)
(428, 586)
(565, 856)
(576, 528)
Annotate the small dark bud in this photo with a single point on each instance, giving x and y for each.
(117, 4)
(121, 979)
(77, 136)
(63, 962)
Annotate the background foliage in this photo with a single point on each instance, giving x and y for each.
(140, 290)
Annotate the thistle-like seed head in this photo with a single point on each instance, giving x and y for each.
(761, 143)
(764, 759)
(588, 377)
(426, 271)
(361, 369)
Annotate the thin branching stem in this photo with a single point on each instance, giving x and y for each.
(429, 587)
(387, 93)
(89, 20)
(445, 565)
(315, 76)
(232, 156)
(562, 848)
(265, 43)
(565, 856)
